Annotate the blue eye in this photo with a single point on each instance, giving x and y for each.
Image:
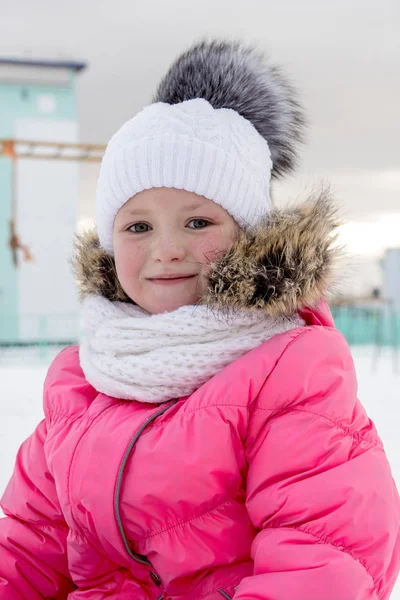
(198, 223)
(139, 228)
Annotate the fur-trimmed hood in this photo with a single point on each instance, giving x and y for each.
(282, 266)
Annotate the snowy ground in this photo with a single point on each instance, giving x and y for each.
(20, 405)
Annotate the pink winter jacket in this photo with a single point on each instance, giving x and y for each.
(269, 482)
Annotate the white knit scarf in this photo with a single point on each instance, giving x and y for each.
(130, 354)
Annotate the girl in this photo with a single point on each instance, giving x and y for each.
(205, 441)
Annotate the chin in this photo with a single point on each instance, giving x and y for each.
(166, 307)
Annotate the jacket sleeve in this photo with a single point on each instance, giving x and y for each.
(33, 559)
(319, 490)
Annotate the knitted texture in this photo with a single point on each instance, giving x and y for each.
(129, 354)
(214, 153)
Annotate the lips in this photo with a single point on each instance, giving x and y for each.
(171, 278)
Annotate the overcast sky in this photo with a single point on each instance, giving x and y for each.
(343, 55)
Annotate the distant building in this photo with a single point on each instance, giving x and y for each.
(391, 276)
(38, 200)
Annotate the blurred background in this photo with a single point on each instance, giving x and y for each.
(71, 73)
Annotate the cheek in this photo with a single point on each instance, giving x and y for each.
(128, 261)
(210, 247)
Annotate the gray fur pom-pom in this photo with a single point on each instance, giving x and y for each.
(230, 75)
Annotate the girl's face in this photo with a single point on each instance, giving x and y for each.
(164, 241)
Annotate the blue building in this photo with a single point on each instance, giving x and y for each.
(38, 201)
(391, 276)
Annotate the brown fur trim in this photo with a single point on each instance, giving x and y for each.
(282, 266)
(95, 270)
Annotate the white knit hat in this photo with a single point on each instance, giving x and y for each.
(202, 146)
(190, 146)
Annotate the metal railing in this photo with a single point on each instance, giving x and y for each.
(368, 325)
(38, 337)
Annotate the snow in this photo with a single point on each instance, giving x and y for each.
(22, 376)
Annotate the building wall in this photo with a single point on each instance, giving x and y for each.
(43, 201)
(391, 276)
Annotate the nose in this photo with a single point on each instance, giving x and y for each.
(168, 249)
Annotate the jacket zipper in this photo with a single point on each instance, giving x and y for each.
(225, 595)
(137, 557)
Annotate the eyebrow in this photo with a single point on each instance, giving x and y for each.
(140, 212)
